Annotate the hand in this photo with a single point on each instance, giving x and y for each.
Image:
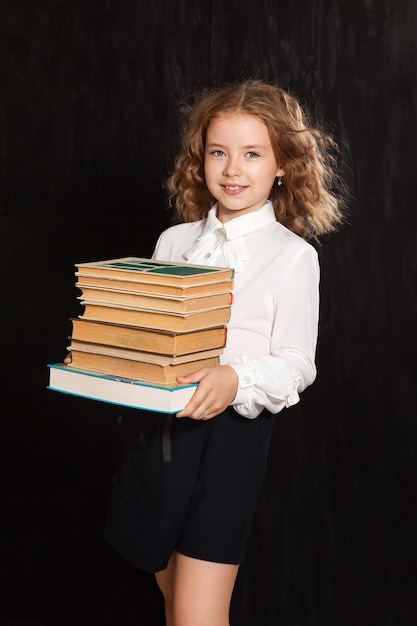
(217, 387)
(68, 359)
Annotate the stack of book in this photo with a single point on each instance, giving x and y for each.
(144, 323)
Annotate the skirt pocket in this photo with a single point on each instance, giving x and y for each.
(137, 436)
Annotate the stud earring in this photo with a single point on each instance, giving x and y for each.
(279, 181)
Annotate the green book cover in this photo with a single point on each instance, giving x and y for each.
(148, 270)
(148, 267)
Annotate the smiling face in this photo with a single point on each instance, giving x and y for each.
(239, 164)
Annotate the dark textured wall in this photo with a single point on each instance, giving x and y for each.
(88, 124)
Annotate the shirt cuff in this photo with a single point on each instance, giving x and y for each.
(259, 387)
(246, 378)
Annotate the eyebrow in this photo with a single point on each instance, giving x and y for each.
(250, 147)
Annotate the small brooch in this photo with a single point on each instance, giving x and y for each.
(220, 237)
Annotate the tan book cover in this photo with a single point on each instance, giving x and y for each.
(147, 371)
(138, 355)
(178, 291)
(148, 339)
(154, 302)
(155, 319)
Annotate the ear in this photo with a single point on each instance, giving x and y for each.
(280, 172)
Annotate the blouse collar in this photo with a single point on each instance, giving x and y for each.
(229, 236)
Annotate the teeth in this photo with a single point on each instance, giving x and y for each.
(232, 188)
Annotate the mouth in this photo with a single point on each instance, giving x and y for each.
(233, 188)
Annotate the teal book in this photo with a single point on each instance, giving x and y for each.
(162, 398)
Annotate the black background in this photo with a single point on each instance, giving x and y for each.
(89, 113)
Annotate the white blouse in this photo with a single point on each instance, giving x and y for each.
(272, 331)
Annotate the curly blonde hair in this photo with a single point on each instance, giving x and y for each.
(307, 202)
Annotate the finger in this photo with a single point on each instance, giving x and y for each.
(193, 377)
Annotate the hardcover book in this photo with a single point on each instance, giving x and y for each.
(122, 391)
(151, 271)
(138, 365)
(178, 291)
(162, 320)
(148, 339)
(137, 355)
(147, 301)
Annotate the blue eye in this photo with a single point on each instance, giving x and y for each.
(217, 153)
(252, 155)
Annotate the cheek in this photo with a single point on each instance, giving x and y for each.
(273, 172)
(210, 170)
(208, 177)
(267, 176)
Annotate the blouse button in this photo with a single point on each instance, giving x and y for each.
(247, 379)
(207, 255)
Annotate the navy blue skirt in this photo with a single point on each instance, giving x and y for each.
(197, 496)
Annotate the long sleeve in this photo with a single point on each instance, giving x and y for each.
(274, 381)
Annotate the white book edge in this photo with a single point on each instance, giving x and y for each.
(120, 391)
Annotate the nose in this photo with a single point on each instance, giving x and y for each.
(232, 167)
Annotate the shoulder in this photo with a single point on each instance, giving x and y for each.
(289, 256)
(295, 260)
(290, 243)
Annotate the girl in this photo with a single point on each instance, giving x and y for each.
(251, 184)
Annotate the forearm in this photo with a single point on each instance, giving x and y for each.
(272, 382)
